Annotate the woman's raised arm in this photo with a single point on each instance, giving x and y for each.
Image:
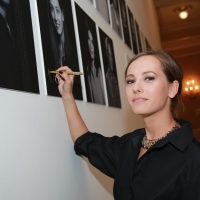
(76, 124)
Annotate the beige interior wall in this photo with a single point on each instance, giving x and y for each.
(36, 151)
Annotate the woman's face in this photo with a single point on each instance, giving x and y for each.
(147, 88)
(91, 44)
(57, 16)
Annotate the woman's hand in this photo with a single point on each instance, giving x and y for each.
(76, 124)
(65, 81)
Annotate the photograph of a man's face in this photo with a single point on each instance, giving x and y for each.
(58, 42)
(17, 53)
(90, 58)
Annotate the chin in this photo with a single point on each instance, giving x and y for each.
(142, 112)
(139, 112)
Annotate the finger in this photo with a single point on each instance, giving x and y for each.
(59, 79)
(64, 68)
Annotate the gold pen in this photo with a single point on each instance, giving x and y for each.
(69, 73)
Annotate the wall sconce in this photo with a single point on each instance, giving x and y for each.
(183, 11)
(191, 89)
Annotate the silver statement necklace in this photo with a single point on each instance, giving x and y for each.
(146, 143)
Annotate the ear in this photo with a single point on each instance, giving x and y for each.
(173, 90)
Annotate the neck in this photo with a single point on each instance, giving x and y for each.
(156, 127)
(92, 63)
(62, 37)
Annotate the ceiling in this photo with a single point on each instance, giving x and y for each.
(180, 37)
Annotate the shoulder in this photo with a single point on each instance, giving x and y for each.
(192, 155)
(132, 135)
(195, 148)
(135, 133)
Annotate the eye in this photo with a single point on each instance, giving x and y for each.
(129, 81)
(58, 11)
(149, 78)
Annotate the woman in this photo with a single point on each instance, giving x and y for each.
(160, 161)
(111, 76)
(63, 46)
(114, 9)
(59, 37)
(94, 79)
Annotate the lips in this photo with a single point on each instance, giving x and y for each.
(139, 99)
(57, 25)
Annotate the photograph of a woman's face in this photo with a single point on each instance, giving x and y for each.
(110, 70)
(90, 58)
(58, 42)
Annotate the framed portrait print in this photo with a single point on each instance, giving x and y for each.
(115, 17)
(102, 7)
(139, 44)
(148, 46)
(125, 27)
(133, 32)
(90, 57)
(110, 70)
(58, 42)
(17, 53)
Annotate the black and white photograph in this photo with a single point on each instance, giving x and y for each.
(133, 32)
(110, 70)
(115, 17)
(148, 46)
(102, 7)
(90, 58)
(125, 23)
(17, 53)
(58, 42)
(127, 59)
(139, 44)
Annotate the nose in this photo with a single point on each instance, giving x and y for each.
(54, 15)
(137, 87)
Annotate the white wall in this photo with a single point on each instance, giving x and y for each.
(36, 151)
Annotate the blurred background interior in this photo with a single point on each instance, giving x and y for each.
(179, 23)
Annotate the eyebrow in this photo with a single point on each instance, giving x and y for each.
(143, 73)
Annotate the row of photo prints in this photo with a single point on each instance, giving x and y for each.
(18, 61)
(121, 19)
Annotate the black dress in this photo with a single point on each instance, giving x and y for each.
(168, 170)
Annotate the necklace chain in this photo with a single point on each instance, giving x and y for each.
(146, 143)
